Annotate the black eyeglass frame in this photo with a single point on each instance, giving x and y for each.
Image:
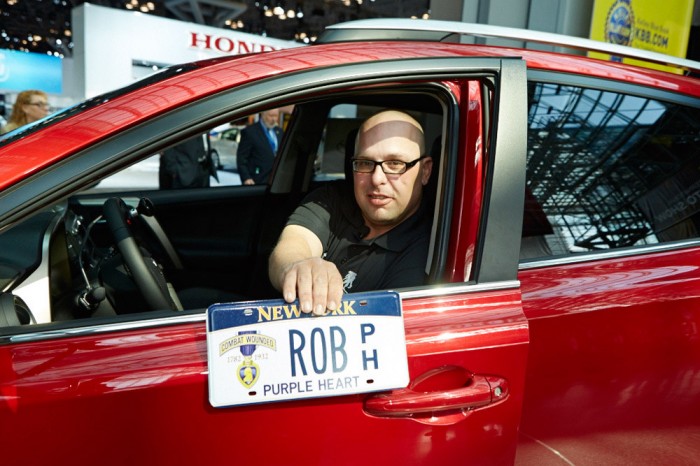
(407, 165)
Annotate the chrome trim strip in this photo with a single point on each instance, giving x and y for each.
(98, 329)
(450, 289)
(434, 291)
(485, 30)
(606, 255)
(128, 199)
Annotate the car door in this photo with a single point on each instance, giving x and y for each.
(612, 300)
(135, 390)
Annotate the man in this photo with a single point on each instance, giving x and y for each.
(187, 165)
(377, 238)
(258, 147)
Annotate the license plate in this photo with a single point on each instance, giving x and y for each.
(264, 351)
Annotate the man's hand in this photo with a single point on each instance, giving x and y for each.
(297, 270)
(316, 282)
(249, 182)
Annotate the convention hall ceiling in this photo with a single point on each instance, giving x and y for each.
(44, 26)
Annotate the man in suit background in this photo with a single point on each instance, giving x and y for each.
(258, 147)
(187, 165)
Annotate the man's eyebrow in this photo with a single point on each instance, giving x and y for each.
(390, 157)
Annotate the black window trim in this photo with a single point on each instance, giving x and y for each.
(606, 84)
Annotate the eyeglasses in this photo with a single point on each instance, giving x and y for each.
(39, 104)
(391, 167)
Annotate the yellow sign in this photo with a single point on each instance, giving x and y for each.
(657, 26)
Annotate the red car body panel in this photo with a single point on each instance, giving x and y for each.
(468, 189)
(621, 337)
(108, 381)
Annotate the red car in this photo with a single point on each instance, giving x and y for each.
(561, 325)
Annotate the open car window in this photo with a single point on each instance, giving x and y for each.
(205, 160)
(203, 243)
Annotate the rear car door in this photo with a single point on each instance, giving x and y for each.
(610, 278)
(134, 390)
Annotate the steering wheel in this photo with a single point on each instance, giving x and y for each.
(146, 272)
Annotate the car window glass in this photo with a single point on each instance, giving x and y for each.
(607, 170)
(205, 160)
(197, 248)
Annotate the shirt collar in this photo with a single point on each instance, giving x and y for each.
(396, 239)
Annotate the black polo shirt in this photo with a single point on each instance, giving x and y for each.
(393, 260)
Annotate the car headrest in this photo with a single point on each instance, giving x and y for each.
(350, 152)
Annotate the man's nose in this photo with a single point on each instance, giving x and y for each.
(378, 175)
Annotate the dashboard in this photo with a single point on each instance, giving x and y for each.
(52, 262)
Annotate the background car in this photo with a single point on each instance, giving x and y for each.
(224, 145)
(562, 314)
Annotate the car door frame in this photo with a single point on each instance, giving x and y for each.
(490, 303)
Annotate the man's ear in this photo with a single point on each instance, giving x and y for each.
(426, 166)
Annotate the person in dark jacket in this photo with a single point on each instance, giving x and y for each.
(186, 165)
(258, 147)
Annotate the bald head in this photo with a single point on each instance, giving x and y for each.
(386, 128)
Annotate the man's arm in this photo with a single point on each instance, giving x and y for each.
(297, 270)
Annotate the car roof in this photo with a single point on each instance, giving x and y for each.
(437, 30)
(88, 123)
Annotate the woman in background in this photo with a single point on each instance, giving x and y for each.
(30, 106)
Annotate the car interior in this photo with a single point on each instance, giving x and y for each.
(123, 246)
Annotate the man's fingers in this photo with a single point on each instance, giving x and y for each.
(316, 283)
(304, 285)
(335, 289)
(289, 285)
